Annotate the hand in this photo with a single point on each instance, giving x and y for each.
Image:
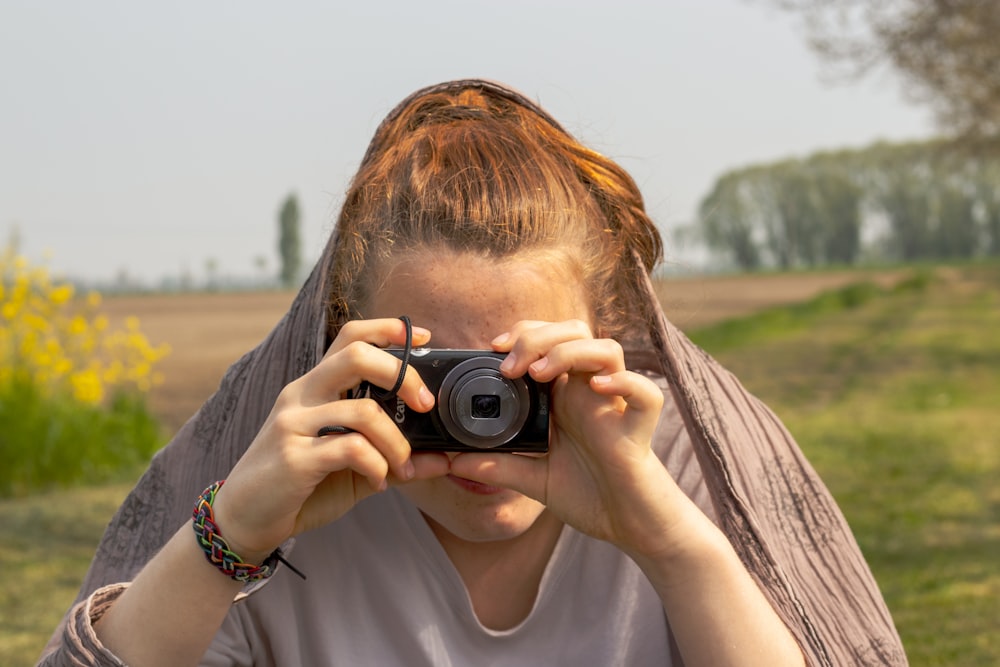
(600, 474)
(290, 480)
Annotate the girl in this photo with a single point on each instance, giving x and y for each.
(672, 521)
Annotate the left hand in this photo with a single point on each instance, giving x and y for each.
(600, 474)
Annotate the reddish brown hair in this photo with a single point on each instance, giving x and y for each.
(476, 168)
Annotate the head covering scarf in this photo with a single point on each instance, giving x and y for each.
(766, 498)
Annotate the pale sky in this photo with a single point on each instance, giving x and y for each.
(153, 137)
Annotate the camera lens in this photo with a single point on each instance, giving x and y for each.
(485, 406)
(481, 408)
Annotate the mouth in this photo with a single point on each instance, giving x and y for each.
(475, 487)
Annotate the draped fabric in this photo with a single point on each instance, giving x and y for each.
(766, 498)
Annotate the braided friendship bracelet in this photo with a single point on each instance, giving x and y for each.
(217, 550)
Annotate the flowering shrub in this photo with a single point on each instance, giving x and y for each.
(72, 389)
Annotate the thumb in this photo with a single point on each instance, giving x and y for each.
(524, 474)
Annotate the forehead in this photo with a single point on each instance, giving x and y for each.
(467, 300)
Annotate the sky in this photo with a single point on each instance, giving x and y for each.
(159, 139)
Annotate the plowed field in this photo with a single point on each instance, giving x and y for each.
(208, 332)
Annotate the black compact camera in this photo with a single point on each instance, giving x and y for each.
(477, 408)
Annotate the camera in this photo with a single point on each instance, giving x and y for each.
(476, 407)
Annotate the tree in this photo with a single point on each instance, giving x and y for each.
(948, 52)
(211, 274)
(909, 202)
(289, 241)
(260, 263)
(726, 223)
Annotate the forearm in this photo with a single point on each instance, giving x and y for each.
(173, 609)
(718, 614)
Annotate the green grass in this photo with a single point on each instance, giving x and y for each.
(894, 397)
(46, 543)
(892, 394)
(49, 441)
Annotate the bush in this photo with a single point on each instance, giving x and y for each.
(72, 389)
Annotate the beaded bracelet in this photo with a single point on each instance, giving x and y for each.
(217, 550)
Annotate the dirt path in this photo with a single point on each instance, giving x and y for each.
(208, 332)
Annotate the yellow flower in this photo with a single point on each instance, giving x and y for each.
(77, 326)
(86, 387)
(62, 344)
(61, 294)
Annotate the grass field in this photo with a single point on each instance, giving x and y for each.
(894, 397)
(891, 388)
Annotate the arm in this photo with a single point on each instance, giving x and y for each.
(717, 612)
(290, 480)
(602, 477)
(172, 610)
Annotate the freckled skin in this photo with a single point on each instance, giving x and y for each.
(466, 302)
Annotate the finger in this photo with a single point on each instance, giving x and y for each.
(350, 451)
(367, 418)
(344, 488)
(530, 341)
(639, 392)
(337, 374)
(355, 456)
(643, 398)
(527, 475)
(381, 332)
(429, 465)
(506, 340)
(600, 356)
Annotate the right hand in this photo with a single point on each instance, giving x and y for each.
(290, 480)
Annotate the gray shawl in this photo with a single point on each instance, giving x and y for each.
(766, 498)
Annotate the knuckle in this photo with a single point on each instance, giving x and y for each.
(367, 410)
(352, 446)
(350, 452)
(649, 387)
(349, 330)
(286, 420)
(581, 328)
(522, 326)
(292, 392)
(355, 352)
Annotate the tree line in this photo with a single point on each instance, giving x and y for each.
(887, 202)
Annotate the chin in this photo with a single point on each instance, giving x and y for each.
(473, 517)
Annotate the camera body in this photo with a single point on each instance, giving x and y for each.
(476, 407)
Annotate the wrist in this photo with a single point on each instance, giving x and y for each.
(248, 566)
(662, 524)
(234, 518)
(700, 553)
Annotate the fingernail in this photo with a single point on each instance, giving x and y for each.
(420, 332)
(409, 470)
(540, 365)
(601, 379)
(500, 340)
(383, 485)
(508, 363)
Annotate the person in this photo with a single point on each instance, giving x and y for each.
(671, 520)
